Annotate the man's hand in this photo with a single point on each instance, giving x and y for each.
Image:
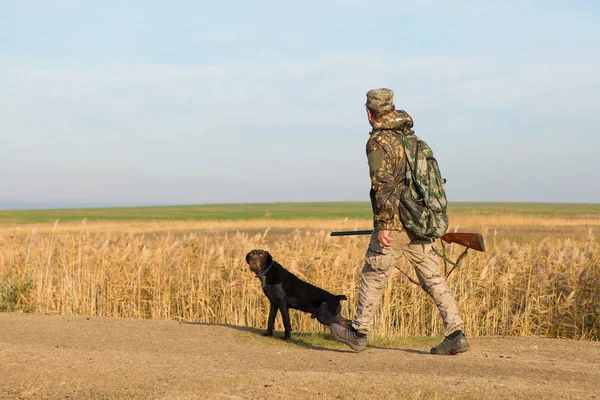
(384, 238)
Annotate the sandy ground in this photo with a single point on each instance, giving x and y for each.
(61, 357)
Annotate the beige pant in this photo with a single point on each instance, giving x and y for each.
(379, 264)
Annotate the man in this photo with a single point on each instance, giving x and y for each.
(390, 240)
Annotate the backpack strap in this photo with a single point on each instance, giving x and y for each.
(410, 166)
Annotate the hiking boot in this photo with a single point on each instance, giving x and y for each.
(453, 344)
(345, 333)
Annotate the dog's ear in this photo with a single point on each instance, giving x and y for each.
(269, 258)
(248, 257)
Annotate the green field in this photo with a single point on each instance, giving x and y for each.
(281, 211)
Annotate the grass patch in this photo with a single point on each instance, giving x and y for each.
(324, 341)
(15, 290)
(394, 341)
(208, 212)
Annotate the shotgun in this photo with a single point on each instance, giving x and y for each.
(469, 240)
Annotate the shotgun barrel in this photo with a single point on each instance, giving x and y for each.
(471, 240)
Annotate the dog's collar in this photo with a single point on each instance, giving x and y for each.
(266, 271)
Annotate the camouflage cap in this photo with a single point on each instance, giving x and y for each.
(381, 100)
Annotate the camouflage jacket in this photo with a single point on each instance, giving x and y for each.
(387, 167)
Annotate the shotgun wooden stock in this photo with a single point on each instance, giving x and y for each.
(471, 240)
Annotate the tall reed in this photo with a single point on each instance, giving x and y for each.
(548, 287)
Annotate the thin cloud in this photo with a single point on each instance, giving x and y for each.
(280, 122)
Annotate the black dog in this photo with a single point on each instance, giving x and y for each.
(285, 290)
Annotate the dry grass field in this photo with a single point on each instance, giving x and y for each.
(62, 284)
(539, 276)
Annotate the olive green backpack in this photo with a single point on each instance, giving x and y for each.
(423, 202)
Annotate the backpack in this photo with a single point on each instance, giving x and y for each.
(422, 205)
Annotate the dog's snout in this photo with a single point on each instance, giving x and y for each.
(257, 260)
(254, 256)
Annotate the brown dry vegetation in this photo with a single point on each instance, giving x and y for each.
(539, 276)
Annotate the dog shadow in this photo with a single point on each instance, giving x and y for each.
(300, 339)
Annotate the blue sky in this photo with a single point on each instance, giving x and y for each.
(147, 102)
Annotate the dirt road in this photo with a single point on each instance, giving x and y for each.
(105, 358)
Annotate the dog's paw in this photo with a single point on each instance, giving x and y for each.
(268, 333)
(287, 337)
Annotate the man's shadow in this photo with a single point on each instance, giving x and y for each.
(300, 339)
(413, 351)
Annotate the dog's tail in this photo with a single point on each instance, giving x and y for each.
(341, 297)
